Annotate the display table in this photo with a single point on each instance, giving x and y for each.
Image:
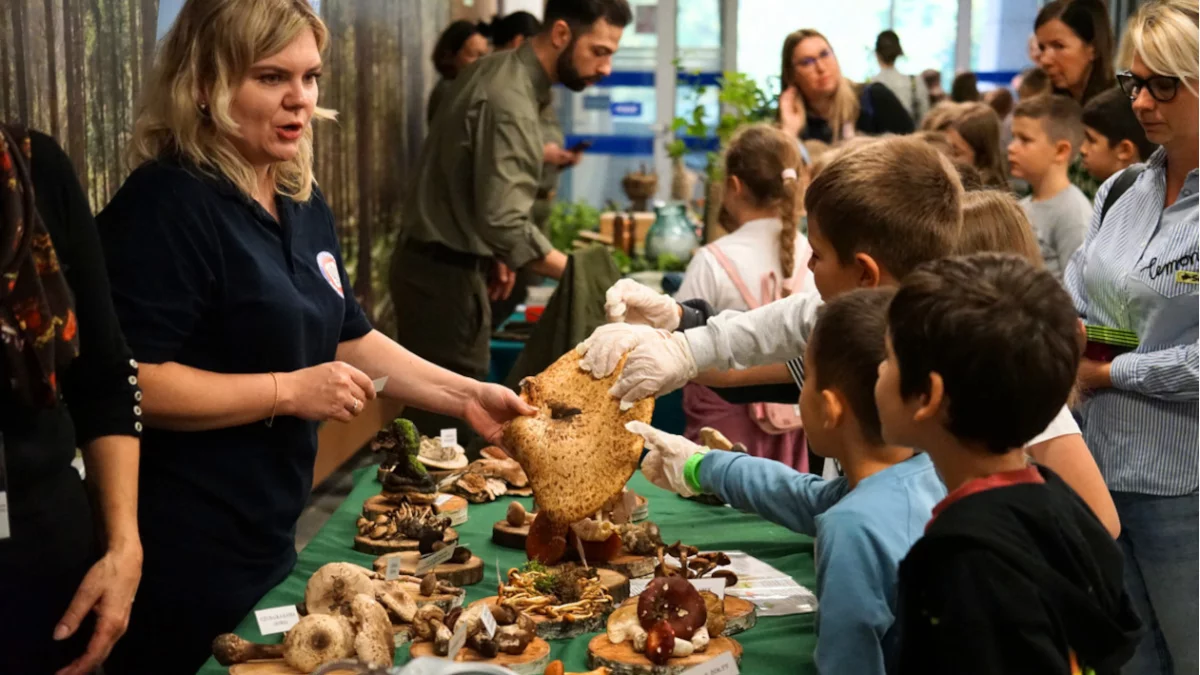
(775, 645)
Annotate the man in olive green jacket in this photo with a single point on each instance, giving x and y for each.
(467, 217)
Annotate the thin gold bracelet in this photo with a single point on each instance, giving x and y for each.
(275, 405)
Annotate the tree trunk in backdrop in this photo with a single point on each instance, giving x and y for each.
(6, 102)
(149, 33)
(52, 66)
(76, 94)
(363, 37)
(19, 57)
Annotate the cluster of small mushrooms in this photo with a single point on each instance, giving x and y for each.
(488, 478)
(514, 630)
(406, 521)
(671, 619)
(693, 564)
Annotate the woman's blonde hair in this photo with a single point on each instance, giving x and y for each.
(993, 222)
(1163, 34)
(845, 107)
(979, 126)
(207, 52)
(759, 156)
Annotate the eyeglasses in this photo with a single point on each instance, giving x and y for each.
(810, 61)
(1162, 88)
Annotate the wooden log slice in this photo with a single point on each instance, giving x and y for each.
(504, 534)
(615, 583)
(383, 547)
(519, 492)
(632, 566)
(456, 574)
(454, 508)
(532, 661)
(620, 659)
(740, 615)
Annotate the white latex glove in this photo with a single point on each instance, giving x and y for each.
(628, 301)
(667, 455)
(603, 349)
(655, 368)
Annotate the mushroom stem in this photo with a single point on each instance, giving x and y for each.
(229, 649)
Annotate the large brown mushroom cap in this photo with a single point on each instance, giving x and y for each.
(675, 601)
(332, 587)
(374, 643)
(317, 639)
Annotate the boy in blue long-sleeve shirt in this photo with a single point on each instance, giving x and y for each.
(864, 522)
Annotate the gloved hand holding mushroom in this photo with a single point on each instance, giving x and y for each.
(628, 301)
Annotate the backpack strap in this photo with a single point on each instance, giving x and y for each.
(731, 272)
(1119, 187)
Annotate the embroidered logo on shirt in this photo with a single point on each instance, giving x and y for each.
(329, 269)
(1187, 277)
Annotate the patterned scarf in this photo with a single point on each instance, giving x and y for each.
(37, 317)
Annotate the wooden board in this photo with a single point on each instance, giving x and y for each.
(274, 667)
(379, 547)
(504, 534)
(622, 660)
(519, 492)
(532, 661)
(457, 574)
(740, 615)
(454, 508)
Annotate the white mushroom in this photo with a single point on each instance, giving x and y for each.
(316, 639)
(374, 643)
(331, 588)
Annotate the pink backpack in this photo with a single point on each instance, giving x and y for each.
(772, 418)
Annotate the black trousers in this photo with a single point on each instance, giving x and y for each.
(443, 316)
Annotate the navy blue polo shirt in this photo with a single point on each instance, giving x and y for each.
(203, 276)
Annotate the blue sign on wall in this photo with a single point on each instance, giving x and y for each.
(596, 102)
(626, 109)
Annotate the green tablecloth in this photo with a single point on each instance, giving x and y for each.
(775, 645)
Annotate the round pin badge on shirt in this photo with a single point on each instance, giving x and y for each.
(329, 269)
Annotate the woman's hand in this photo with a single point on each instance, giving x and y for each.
(1094, 375)
(330, 391)
(108, 590)
(489, 406)
(791, 114)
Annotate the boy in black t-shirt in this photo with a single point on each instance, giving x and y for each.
(1014, 574)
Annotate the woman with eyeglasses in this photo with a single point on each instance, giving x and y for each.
(1135, 284)
(818, 103)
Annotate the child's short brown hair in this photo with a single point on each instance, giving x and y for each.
(1061, 117)
(1110, 113)
(897, 200)
(1000, 333)
(1034, 82)
(846, 346)
(993, 222)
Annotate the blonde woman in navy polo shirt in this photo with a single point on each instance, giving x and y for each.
(229, 283)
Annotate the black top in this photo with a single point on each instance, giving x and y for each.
(1010, 580)
(48, 509)
(203, 276)
(880, 112)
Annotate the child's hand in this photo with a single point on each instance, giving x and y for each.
(668, 456)
(630, 302)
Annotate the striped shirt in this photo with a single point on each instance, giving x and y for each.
(1139, 272)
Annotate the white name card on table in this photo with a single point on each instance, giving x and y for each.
(393, 568)
(442, 499)
(449, 438)
(488, 621)
(428, 562)
(724, 664)
(457, 640)
(715, 586)
(277, 619)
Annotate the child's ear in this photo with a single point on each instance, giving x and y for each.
(1126, 151)
(1063, 151)
(832, 409)
(870, 274)
(931, 401)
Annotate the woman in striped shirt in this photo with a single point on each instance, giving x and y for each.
(1134, 282)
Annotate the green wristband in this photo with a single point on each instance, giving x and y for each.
(691, 471)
